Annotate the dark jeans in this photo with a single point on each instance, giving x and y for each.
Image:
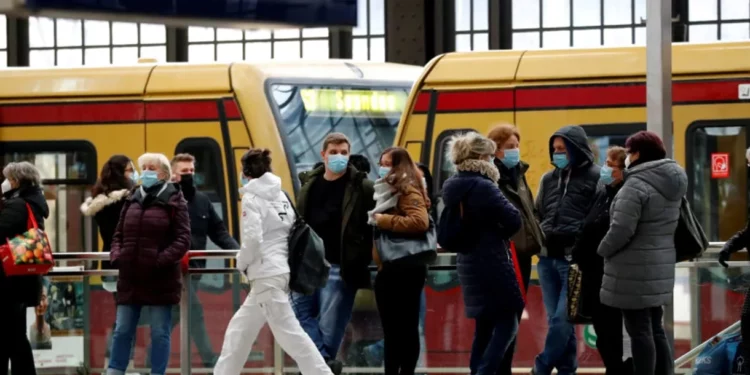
(14, 345)
(745, 329)
(398, 292)
(608, 327)
(506, 366)
(492, 337)
(651, 352)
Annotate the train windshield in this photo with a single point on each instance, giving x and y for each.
(368, 116)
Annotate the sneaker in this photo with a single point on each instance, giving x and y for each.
(336, 366)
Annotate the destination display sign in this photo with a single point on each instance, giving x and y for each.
(353, 101)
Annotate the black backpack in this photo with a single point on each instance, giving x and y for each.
(307, 257)
(689, 239)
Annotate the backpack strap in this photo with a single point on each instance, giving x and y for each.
(296, 214)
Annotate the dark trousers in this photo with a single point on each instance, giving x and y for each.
(398, 291)
(651, 352)
(745, 329)
(14, 345)
(492, 337)
(608, 327)
(506, 366)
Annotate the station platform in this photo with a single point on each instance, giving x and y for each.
(707, 300)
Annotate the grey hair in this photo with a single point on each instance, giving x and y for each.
(469, 146)
(23, 172)
(158, 159)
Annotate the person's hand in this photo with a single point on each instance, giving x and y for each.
(723, 258)
(377, 217)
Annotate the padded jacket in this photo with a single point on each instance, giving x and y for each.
(151, 238)
(638, 250)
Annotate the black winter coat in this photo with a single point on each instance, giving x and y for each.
(594, 228)
(106, 209)
(564, 198)
(205, 223)
(24, 290)
(486, 272)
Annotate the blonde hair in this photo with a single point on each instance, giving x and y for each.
(469, 146)
(157, 159)
(24, 173)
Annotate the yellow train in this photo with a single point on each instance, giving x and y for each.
(70, 121)
(604, 91)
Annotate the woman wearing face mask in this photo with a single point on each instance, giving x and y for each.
(528, 241)
(151, 237)
(21, 192)
(400, 207)
(639, 250)
(117, 178)
(607, 320)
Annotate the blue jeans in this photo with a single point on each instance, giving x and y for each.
(122, 340)
(560, 346)
(325, 314)
(492, 337)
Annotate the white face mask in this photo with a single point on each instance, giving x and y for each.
(6, 185)
(627, 161)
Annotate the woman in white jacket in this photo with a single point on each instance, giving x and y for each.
(267, 217)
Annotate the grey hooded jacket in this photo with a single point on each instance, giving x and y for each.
(638, 250)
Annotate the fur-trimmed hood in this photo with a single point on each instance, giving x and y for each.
(93, 205)
(480, 166)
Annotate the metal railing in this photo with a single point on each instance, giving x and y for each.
(446, 261)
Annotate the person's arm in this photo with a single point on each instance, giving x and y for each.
(116, 244)
(12, 212)
(181, 236)
(625, 215)
(498, 208)
(217, 231)
(739, 241)
(251, 235)
(539, 202)
(415, 218)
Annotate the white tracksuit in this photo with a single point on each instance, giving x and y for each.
(267, 217)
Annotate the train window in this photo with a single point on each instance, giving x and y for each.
(718, 175)
(308, 113)
(68, 171)
(601, 137)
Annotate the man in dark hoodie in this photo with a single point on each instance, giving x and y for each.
(563, 201)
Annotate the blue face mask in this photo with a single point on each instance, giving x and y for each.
(511, 158)
(383, 171)
(338, 163)
(605, 175)
(149, 179)
(134, 177)
(560, 160)
(244, 180)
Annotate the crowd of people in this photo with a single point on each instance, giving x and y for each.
(615, 222)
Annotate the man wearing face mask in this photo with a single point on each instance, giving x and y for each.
(205, 223)
(334, 200)
(563, 202)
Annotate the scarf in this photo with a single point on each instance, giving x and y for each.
(480, 166)
(385, 199)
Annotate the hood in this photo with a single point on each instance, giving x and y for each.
(93, 205)
(577, 143)
(666, 176)
(267, 187)
(33, 196)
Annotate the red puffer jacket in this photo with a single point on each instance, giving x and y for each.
(152, 236)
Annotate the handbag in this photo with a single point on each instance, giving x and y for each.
(308, 267)
(393, 246)
(577, 314)
(28, 253)
(689, 239)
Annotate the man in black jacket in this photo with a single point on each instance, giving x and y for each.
(334, 200)
(205, 223)
(562, 203)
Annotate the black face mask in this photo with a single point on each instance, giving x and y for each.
(188, 185)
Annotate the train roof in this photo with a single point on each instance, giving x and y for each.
(167, 78)
(579, 64)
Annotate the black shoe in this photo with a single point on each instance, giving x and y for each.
(336, 366)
